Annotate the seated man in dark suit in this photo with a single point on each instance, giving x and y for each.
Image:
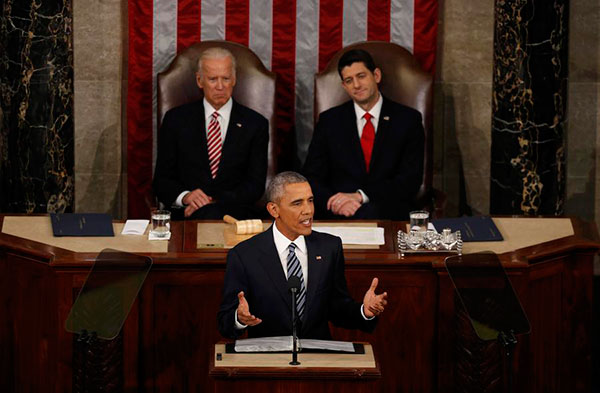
(212, 154)
(365, 159)
(255, 293)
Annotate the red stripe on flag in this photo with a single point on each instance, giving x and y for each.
(283, 64)
(237, 20)
(331, 21)
(425, 33)
(378, 20)
(139, 109)
(188, 23)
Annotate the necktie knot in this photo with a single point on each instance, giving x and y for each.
(292, 247)
(367, 116)
(215, 115)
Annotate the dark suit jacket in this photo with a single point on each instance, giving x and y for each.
(182, 159)
(335, 161)
(254, 267)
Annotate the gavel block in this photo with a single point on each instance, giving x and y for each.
(243, 227)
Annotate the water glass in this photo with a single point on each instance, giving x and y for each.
(419, 220)
(161, 223)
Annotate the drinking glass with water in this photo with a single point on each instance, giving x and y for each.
(161, 223)
(419, 220)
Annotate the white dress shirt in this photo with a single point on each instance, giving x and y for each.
(223, 119)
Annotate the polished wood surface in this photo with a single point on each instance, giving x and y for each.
(171, 329)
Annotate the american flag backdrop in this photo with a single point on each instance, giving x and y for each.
(293, 38)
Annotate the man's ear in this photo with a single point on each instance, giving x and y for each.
(198, 80)
(273, 209)
(377, 74)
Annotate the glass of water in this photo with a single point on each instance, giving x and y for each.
(419, 220)
(161, 223)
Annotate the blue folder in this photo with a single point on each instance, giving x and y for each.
(472, 228)
(81, 224)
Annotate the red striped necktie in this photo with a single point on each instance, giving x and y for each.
(214, 143)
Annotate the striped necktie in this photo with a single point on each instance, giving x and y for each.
(294, 269)
(214, 144)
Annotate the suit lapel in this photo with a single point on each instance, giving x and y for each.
(197, 125)
(315, 272)
(383, 127)
(271, 263)
(234, 130)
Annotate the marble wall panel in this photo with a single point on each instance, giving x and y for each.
(465, 39)
(462, 110)
(584, 41)
(528, 173)
(467, 122)
(97, 125)
(36, 86)
(98, 46)
(583, 180)
(102, 191)
(597, 174)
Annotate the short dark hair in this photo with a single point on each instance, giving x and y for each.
(356, 56)
(276, 187)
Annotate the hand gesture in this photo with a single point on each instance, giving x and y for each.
(374, 304)
(243, 312)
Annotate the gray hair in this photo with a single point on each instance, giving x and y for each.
(276, 186)
(216, 52)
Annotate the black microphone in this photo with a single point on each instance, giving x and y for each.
(294, 286)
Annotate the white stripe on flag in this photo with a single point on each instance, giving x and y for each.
(402, 23)
(355, 21)
(212, 20)
(164, 47)
(260, 30)
(307, 63)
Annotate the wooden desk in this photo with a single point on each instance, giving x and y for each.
(168, 336)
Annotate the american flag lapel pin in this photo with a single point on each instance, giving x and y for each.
(318, 258)
(386, 118)
(239, 125)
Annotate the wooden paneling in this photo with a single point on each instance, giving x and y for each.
(168, 335)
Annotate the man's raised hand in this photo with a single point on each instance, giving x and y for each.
(374, 304)
(243, 312)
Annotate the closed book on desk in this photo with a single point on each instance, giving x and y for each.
(81, 224)
(472, 229)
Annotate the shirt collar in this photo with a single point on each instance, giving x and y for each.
(282, 242)
(224, 111)
(375, 111)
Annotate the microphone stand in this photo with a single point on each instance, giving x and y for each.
(294, 285)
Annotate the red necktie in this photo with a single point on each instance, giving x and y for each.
(214, 144)
(367, 139)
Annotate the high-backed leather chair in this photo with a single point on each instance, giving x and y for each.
(402, 81)
(255, 85)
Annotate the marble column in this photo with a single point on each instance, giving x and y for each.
(36, 112)
(529, 100)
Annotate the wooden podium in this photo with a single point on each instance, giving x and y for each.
(271, 372)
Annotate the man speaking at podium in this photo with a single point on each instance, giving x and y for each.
(256, 297)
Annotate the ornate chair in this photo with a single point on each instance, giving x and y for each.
(255, 86)
(403, 81)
